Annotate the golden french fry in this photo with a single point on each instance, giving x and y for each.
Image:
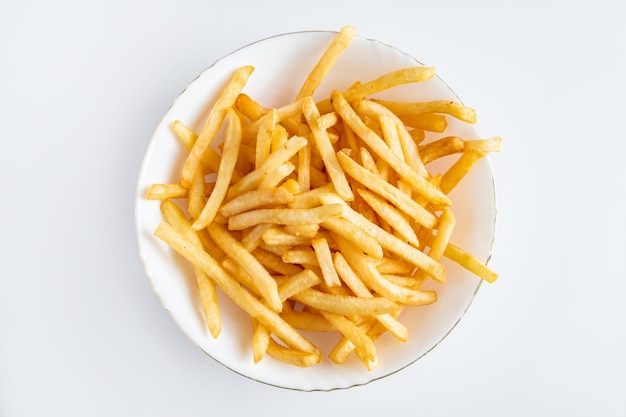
(292, 356)
(279, 137)
(260, 340)
(225, 173)
(311, 322)
(451, 178)
(254, 236)
(444, 232)
(448, 145)
(214, 121)
(284, 216)
(326, 61)
(166, 191)
(303, 230)
(300, 256)
(457, 110)
(298, 282)
(470, 263)
(264, 137)
(275, 177)
(195, 199)
(245, 105)
(325, 261)
(255, 199)
(484, 145)
(326, 150)
(345, 305)
(188, 137)
(389, 80)
(430, 122)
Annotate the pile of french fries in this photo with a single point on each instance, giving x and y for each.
(319, 216)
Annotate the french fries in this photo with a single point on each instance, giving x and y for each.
(320, 216)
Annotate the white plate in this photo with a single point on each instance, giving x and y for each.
(281, 64)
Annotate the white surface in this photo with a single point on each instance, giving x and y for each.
(276, 82)
(84, 84)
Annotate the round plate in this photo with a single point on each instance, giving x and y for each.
(281, 65)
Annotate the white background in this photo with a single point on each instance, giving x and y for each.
(83, 86)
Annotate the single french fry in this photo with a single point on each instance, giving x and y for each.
(277, 236)
(292, 356)
(284, 216)
(326, 150)
(254, 236)
(303, 230)
(275, 177)
(304, 168)
(430, 122)
(166, 191)
(451, 178)
(249, 107)
(195, 199)
(310, 322)
(305, 257)
(345, 305)
(470, 263)
(225, 173)
(457, 110)
(279, 137)
(448, 145)
(325, 261)
(484, 145)
(264, 138)
(214, 121)
(339, 43)
(260, 340)
(389, 80)
(298, 282)
(444, 232)
(255, 199)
